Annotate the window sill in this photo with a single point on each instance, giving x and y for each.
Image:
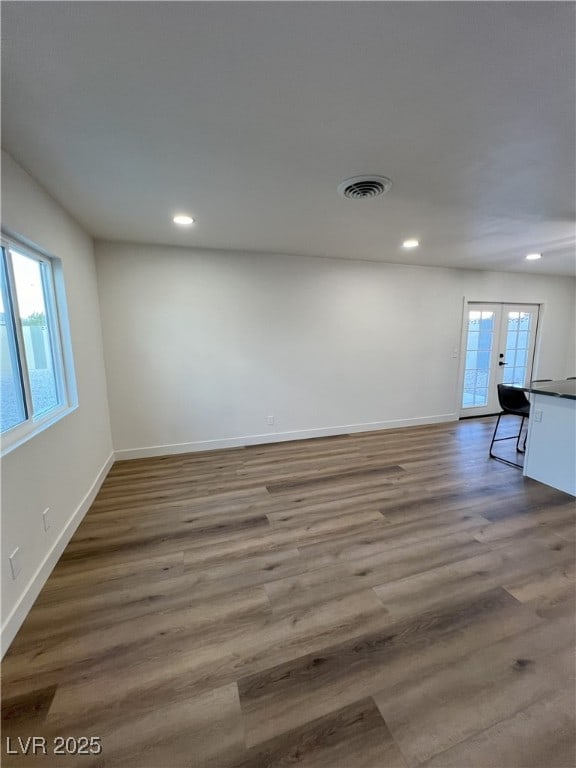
(22, 433)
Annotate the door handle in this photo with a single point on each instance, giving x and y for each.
(501, 363)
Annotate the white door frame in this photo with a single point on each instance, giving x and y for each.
(466, 300)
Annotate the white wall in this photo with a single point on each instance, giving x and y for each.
(203, 346)
(61, 467)
(571, 339)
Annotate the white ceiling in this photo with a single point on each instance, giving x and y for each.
(248, 115)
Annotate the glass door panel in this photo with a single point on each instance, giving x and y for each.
(479, 345)
(518, 352)
(519, 329)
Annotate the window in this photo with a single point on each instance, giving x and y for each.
(37, 385)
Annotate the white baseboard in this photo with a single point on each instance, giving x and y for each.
(32, 590)
(277, 437)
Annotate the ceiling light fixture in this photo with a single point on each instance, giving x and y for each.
(534, 256)
(183, 220)
(412, 243)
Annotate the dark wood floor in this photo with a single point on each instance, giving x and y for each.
(379, 600)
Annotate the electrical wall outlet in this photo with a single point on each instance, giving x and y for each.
(15, 566)
(270, 420)
(46, 518)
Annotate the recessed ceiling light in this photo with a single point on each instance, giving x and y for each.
(183, 220)
(534, 256)
(413, 243)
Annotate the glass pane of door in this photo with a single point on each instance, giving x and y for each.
(479, 345)
(517, 354)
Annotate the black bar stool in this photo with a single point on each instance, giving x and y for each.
(515, 403)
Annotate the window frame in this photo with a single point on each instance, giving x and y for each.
(60, 342)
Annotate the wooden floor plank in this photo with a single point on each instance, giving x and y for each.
(430, 714)
(333, 479)
(471, 576)
(542, 734)
(351, 737)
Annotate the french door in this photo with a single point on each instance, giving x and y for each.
(498, 341)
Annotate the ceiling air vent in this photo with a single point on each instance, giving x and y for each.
(362, 187)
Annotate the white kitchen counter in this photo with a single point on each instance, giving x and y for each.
(551, 444)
